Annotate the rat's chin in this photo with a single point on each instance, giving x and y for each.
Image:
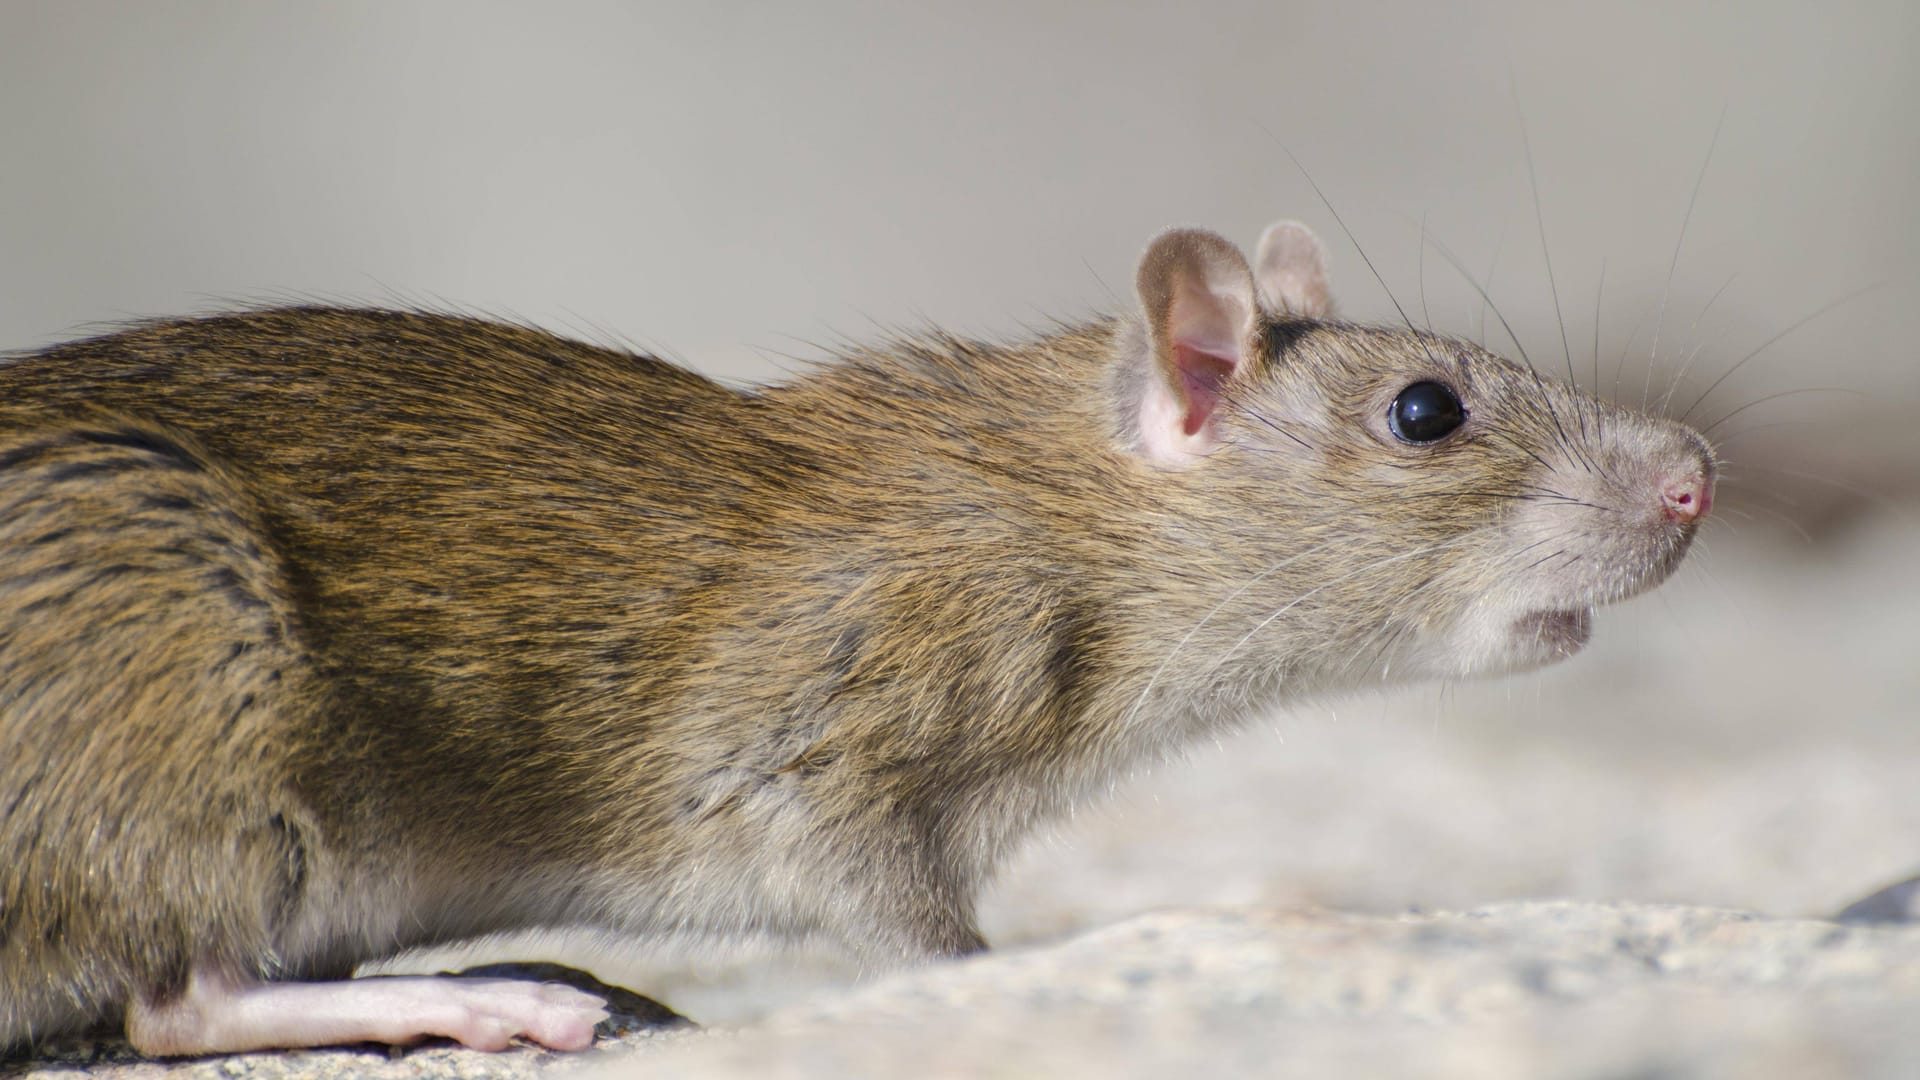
(1546, 636)
(1498, 643)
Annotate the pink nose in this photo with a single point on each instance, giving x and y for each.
(1687, 498)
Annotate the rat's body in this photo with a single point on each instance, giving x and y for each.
(328, 633)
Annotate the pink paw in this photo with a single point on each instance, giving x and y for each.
(488, 1014)
(218, 1015)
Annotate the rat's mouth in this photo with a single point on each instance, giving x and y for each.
(1554, 634)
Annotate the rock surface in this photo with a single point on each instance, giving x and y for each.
(1550, 989)
(1524, 990)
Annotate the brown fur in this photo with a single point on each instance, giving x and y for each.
(326, 633)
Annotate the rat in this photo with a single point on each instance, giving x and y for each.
(327, 634)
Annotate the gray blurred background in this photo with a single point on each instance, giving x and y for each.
(739, 185)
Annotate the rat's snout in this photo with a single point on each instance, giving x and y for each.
(1687, 495)
(1668, 472)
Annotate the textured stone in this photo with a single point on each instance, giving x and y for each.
(1525, 989)
(1544, 989)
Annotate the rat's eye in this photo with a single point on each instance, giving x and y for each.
(1425, 412)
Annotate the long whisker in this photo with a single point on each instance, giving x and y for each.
(1234, 400)
(1364, 257)
(1540, 220)
(1518, 496)
(1493, 266)
(1875, 497)
(1771, 511)
(1620, 362)
(1460, 267)
(1732, 435)
(1666, 402)
(1770, 342)
(1708, 430)
(1575, 453)
(1599, 294)
(1666, 290)
(1522, 447)
(1420, 271)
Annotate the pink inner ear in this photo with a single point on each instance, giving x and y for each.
(1202, 374)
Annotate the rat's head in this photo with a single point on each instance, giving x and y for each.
(1370, 502)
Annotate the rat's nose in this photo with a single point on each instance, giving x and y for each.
(1687, 497)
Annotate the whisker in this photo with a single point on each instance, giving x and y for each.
(1323, 586)
(1233, 399)
(1543, 542)
(1493, 265)
(1599, 293)
(1620, 362)
(1454, 261)
(1774, 512)
(1732, 435)
(1420, 271)
(1667, 401)
(1899, 508)
(1522, 447)
(1489, 495)
(1154, 679)
(1708, 430)
(1546, 558)
(1770, 342)
(1364, 257)
(1666, 290)
(1540, 220)
(1567, 445)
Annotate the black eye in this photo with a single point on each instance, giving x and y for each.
(1425, 412)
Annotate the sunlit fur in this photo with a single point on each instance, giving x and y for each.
(325, 633)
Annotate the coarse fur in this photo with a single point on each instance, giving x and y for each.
(327, 633)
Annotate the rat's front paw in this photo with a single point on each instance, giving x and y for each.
(219, 1015)
(488, 1014)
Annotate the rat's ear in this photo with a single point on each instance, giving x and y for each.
(1198, 297)
(1291, 267)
